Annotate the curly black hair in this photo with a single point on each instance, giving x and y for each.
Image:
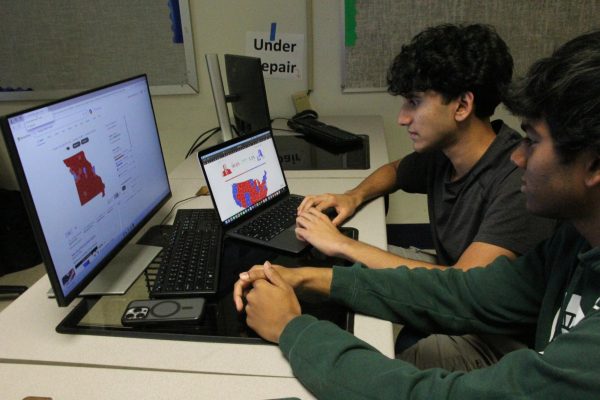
(452, 60)
(564, 89)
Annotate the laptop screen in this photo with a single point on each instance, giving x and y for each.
(243, 174)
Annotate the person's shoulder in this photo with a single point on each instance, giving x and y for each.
(495, 169)
(565, 242)
(498, 156)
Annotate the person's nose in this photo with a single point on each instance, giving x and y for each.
(404, 118)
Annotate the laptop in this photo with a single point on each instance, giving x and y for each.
(247, 187)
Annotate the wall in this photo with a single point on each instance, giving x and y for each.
(381, 27)
(219, 26)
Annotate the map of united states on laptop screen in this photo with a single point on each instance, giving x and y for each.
(244, 175)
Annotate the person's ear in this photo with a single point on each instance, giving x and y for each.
(593, 171)
(465, 106)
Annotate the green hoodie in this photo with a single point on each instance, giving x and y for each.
(551, 295)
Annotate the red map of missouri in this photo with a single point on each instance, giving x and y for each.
(88, 184)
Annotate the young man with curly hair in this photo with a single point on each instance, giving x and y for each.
(551, 294)
(451, 79)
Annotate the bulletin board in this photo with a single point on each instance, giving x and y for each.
(374, 31)
(54, 48)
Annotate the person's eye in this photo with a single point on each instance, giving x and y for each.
(528, 141)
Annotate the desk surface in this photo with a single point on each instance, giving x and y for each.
(367, 125)
(61, 382)
(27, 325)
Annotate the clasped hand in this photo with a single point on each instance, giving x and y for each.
(270, 300)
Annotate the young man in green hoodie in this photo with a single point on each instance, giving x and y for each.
(551, 294)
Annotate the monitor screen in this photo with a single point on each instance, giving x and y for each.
(247, 93)
(92, 173)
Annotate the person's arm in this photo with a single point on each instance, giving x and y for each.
(333, 364)
(476, 255)
(503, 298)
(315, 228)
(380, 182)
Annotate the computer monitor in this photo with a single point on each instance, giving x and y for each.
(92, 173)
(247, 93)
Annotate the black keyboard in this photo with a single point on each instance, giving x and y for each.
(322, 133)
(274, 221)
(189, 264)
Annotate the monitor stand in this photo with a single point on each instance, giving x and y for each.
(121, 272)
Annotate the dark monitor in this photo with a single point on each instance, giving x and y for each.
(92, 173)
(247, 94)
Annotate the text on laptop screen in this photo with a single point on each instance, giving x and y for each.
(244, 175)
(93, 165)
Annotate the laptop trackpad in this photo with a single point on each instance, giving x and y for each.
(288, 241)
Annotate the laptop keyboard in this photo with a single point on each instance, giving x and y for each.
(189, 264)
(274, 221)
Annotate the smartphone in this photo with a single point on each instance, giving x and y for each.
(163, 312)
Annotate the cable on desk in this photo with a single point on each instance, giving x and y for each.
(175, 205)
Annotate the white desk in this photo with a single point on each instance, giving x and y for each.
(367, 125)
(60, 382)
(35, 360)
(27, 325)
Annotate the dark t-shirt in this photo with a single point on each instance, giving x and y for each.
(486, 205)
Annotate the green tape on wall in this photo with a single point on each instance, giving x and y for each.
(350, 22)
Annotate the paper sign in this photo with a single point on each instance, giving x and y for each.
(282, 54)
